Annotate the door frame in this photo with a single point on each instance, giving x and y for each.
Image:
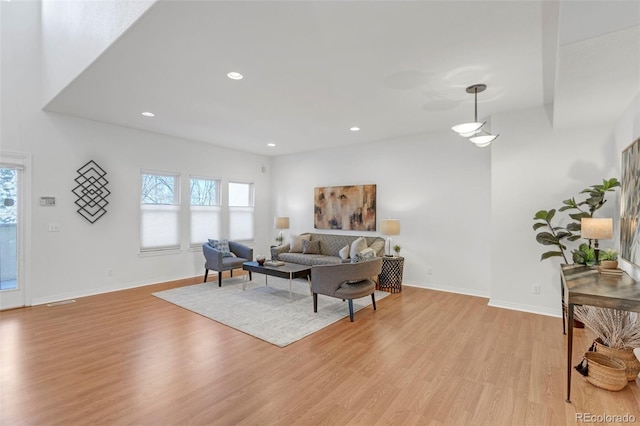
(22, 162)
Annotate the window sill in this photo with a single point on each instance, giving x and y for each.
(159, 252)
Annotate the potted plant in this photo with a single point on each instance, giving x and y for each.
(553, 235)
(397, 249)
(585, 255)
(608, 259)
(617, 334)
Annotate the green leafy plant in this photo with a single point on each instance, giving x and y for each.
(397, 248)
(584, 255)
(554, 235)
(608, 254)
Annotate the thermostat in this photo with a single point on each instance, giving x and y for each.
(48, 201)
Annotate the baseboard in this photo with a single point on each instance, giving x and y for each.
(448, 289)
(550, 312)
(103, 290)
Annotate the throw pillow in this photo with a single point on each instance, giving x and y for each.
(310, 247)
(357, 246)
(213, 243)
(344, 252)
(296, 242)
(223, 246)
(378, 246)
(363, 256)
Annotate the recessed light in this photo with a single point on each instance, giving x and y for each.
(271, 144)
(148, 114)
(355, 129)
(235, 75)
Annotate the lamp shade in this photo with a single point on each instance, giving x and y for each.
(281, 223)
(468, 129)
(596, 229)
(390, 226)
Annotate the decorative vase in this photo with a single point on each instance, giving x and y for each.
(260, 259)
(608, 264)
(625, 355)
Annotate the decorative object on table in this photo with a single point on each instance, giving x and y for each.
(351, 207)
(602, 371)
(280, 223)
(390, 278)
(630, 204)
(260, 259)
(608, 259)
(91, 191)
(473, 130)
(613, 272)
(558, 236)
(596, 229)
(396, 249)
(389, 227)
(617, 334)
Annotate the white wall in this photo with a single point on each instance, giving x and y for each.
(437, 185)
(535, 167)
(626, 131)
(75, 33)
(74, 261)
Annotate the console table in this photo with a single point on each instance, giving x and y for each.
(584, 285)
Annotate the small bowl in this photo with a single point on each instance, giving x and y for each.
(260, 259)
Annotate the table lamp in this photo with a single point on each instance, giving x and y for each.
(389, 227)
(281, 223)
(596, 229)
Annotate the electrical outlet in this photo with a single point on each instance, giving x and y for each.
(536, 289)
(109, 272)
(54, 227)
(429, 271)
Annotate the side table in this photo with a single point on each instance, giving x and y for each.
(390, 278)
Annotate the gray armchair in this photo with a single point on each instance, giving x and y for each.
(345, 281)
(216, 262)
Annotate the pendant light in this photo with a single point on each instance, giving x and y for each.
(473, 130)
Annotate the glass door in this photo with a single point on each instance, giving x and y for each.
(12, 288)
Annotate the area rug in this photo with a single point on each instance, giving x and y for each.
(264, 311)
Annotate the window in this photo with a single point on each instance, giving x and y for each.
(205, 210)
(241, 208)
(160, 212)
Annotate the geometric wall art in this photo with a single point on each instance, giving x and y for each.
(630, 204)
(91, 191)
(351, 207)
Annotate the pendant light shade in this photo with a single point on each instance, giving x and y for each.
(482, 138)
(473, 130)
(465, 129)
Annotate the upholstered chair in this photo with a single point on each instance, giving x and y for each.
(216, 261)
(346, 281)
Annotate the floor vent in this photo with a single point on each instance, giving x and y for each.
(62, 302)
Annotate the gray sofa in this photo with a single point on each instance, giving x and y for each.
(330, 245)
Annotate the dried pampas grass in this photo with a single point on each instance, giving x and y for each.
(617, 329)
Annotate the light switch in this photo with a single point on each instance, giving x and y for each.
(54, 227)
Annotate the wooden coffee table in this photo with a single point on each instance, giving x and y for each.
(288, 270)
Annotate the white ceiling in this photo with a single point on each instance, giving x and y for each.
(313, 69)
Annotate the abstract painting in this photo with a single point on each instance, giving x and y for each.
(630, 204)
(351, 207)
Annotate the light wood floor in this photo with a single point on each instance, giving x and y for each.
(424, 357)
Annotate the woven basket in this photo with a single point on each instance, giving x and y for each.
(605, 372)
(628, 358)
